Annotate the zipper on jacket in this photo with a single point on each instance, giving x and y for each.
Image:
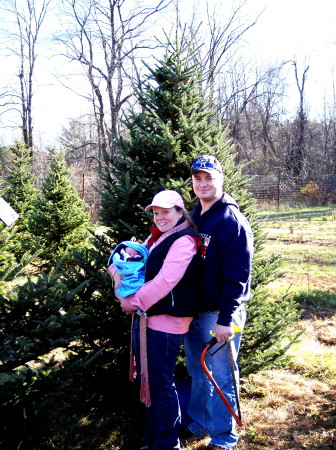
(172, 296)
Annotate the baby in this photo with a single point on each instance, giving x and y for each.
(129, 260)
(130, 254)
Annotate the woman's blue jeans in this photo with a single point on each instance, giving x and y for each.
(163, 416)
(207, 412)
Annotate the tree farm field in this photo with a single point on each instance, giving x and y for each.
(306, 238)
(295, 407)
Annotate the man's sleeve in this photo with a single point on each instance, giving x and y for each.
(235, 260)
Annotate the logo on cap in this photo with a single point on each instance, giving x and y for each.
(206, 163)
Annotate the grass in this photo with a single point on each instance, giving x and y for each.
(299, 211)
(296, 408)
(307, 241)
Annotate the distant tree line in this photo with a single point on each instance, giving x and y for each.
(106, 45)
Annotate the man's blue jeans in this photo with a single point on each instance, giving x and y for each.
(207, 412)
(163, 416)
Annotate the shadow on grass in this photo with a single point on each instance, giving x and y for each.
(319, 302)
(95, 413)
(84, 412)
(308, 214)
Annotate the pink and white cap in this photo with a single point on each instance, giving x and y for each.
(166, 199)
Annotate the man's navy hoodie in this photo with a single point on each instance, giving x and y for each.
(227, 251)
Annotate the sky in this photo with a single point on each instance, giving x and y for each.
(304, 30)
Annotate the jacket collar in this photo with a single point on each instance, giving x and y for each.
(156, 236)
(225, 200)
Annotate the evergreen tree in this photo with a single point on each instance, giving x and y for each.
(58, 222)
(176, 124)
(104, 326)
(35, 318)
(7, 259)
(172, 127)
(20, 193)
(9, 266)
(4, 159)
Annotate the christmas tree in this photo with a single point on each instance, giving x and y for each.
(7, 259)
(175, 124)
(58, 222)
(20, 193)
(172, 127)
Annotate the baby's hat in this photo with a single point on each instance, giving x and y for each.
(141, 248)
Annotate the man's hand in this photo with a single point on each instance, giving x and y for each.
(223, 333)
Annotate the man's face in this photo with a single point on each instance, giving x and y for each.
(208, 186)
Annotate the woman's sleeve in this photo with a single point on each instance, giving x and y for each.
(174, 266)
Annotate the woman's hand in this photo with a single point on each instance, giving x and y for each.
(117, 280)
(126, 305)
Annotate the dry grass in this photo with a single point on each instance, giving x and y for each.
(289, 412)
(296, 408)
(287, 409)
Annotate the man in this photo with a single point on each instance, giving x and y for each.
(227, 249)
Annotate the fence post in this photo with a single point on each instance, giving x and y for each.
(278, 191)
(83, 185)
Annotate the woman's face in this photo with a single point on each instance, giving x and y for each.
(166, 218)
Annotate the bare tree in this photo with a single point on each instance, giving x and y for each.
(217, 32)
(226, 37)
(103, 38)
(328, 144)
(78, 139)
(23, 33)
(297, 149)
(250, 103)
(264, 119)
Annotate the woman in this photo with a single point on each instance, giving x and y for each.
(169, 299)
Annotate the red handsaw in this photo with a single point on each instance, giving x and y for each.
(210, 344)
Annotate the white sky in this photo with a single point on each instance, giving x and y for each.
(304, 30)
(288, 29)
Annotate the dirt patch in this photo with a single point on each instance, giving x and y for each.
(309, 281)
(322, 327)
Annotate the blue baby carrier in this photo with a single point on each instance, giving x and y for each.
(133, 271)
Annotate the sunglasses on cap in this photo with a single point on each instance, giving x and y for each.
(203, 165)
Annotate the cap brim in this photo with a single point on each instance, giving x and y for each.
(205, 170)
(161, 205)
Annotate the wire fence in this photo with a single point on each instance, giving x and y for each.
(268, 190)
(280, 190)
